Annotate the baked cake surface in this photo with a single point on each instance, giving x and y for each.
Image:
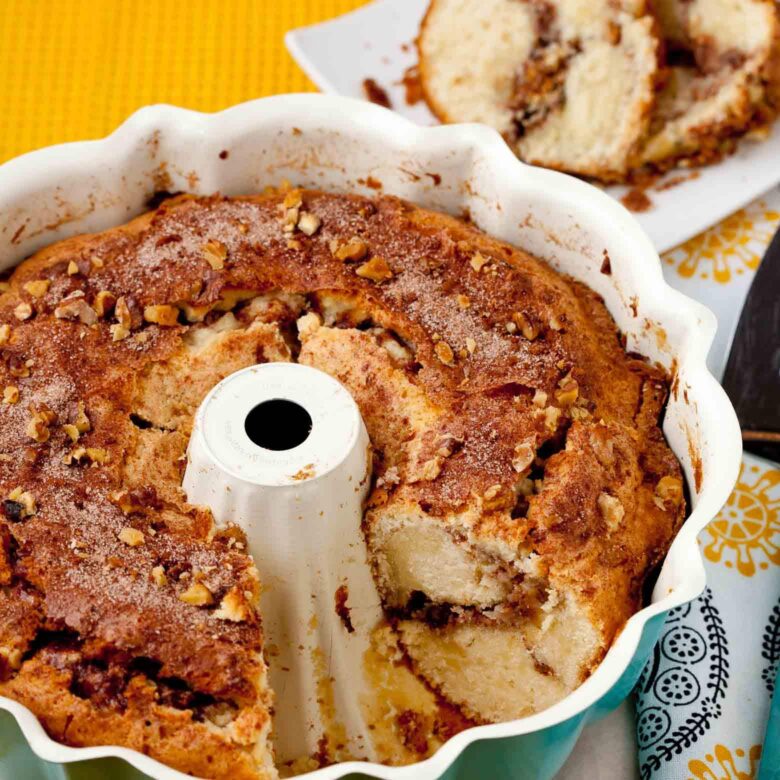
(522, 487)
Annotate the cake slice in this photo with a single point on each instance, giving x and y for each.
(723, 78)
(569, 84)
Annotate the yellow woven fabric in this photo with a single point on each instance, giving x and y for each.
(75, 69)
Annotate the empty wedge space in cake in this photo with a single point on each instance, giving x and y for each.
(521, 490)
(605, 90)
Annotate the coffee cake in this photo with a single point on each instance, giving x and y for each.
(522, 487)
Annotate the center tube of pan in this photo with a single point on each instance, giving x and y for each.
(281, 450)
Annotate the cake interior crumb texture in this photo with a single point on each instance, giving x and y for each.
(614, 90)
(522, 489)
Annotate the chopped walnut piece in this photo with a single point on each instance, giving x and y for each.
(308, 223)
(97, 455)
(290, 220)
(463, 301)
(195, 313)
(82, 421)
(197, 594)
(540, 399)
(131, 536)
(611, 510)
(73, 268)
(444, 352)
(122, 313)
(233, 607)
(579, 413)
(23, 311)
(354, 249)
(118, 332)
(5, 333)
(524, 457)
(376, 269)
(38, 424)
(74, 307)
(13, 657)
(11, 394)
(568, 390)
(37, 288)
(511, 327)
(293, 199)
(24, 501)
(72, 431)
(551, 416)
(527, 328)
(86, 455)
(478, 261)
(471, 345)
(74, 456)
(162, 314)
(492, 492)
(390, 477)
(158, 576)
(104, 303)
(125, 500)
(556, 323)
(97, 262)
(669, 491)
(429, 470)
(18, 367)
(215, 253)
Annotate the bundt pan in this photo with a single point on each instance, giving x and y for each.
(349, 146)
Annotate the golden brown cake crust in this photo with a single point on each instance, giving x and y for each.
(485, 329)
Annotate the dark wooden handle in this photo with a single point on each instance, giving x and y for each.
(773, 436)
(763, 443)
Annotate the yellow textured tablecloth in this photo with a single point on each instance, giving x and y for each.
(74, 69)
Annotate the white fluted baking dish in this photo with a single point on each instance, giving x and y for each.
(350, 146)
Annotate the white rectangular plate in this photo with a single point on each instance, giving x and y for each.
(377, 41)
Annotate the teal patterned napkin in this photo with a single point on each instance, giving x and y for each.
(703, 700)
